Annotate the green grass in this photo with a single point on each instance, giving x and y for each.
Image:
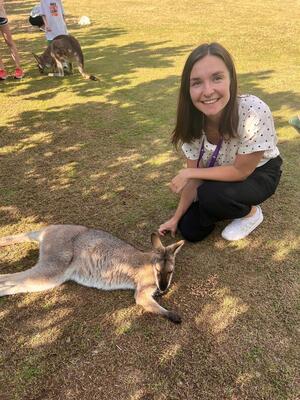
(99, 154)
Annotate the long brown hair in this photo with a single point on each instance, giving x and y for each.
(190, 121)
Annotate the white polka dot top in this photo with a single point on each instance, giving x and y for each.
(256, 132)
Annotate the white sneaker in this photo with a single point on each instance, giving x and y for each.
(241, 227)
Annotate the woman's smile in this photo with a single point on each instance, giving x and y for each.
(210, 86)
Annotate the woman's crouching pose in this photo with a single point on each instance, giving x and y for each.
(229, 141)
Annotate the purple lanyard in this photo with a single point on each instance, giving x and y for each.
(214, 156)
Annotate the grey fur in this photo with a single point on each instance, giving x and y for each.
(97, 259)
(63, 48)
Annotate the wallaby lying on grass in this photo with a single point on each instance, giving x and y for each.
(63, 48)
(97, 259)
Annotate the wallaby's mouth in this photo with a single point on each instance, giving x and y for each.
(159, 292)
(163, 287)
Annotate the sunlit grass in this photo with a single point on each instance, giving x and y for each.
(221, 314)
(99, 154)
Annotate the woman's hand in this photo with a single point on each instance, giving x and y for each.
(180, 180)
(170, 225)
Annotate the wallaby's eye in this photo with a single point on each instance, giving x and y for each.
(157, 268)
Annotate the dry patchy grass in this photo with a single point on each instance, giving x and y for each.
(98, 154)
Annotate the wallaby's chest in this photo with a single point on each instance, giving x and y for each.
(102, 269)
(102, 283)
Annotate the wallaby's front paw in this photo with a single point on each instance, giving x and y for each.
(174, 317)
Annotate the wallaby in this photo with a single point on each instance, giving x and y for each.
(62, 49)
(95, 258)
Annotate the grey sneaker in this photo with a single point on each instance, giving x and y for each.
(241, 227)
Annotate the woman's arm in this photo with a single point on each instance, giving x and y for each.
(187, 196)
(243, 166)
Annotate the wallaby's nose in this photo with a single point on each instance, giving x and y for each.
(163, 285)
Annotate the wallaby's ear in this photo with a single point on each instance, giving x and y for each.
(37, 59)
(175, 247)
(156, 242)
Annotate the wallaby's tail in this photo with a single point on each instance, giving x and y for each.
(81, 67)
(23, 237)
(85, 75)
(93, 78)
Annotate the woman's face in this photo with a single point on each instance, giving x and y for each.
(210, 86)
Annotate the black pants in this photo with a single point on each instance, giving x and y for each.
(36, 21)
(218, 201)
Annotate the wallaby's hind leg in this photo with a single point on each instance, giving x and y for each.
(144, 297)
(23, 237)
(35, 279)
(60, 68)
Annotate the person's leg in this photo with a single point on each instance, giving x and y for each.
(1, 64)
(11, 44)
(3, 74)
(192, 224)
(219, 201)
(37, 21)
(230, 200)
(214, 204)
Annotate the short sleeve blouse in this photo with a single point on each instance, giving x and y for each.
(256, 132)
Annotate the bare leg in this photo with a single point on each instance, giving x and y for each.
(6, 33)
(252, 212)
(1, 64)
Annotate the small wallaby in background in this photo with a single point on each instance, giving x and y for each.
(62, 49)
(95, 258)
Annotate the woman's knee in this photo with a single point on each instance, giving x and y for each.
(210, 194)
(193, 233)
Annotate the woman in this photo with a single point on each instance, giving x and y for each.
(229, 142)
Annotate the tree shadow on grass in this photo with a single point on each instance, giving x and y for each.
(250, 83)
(106, 164)
(237, 304)
(113, 65)
(58, 156)
(234, 337)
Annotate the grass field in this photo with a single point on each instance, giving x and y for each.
(99, 154)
